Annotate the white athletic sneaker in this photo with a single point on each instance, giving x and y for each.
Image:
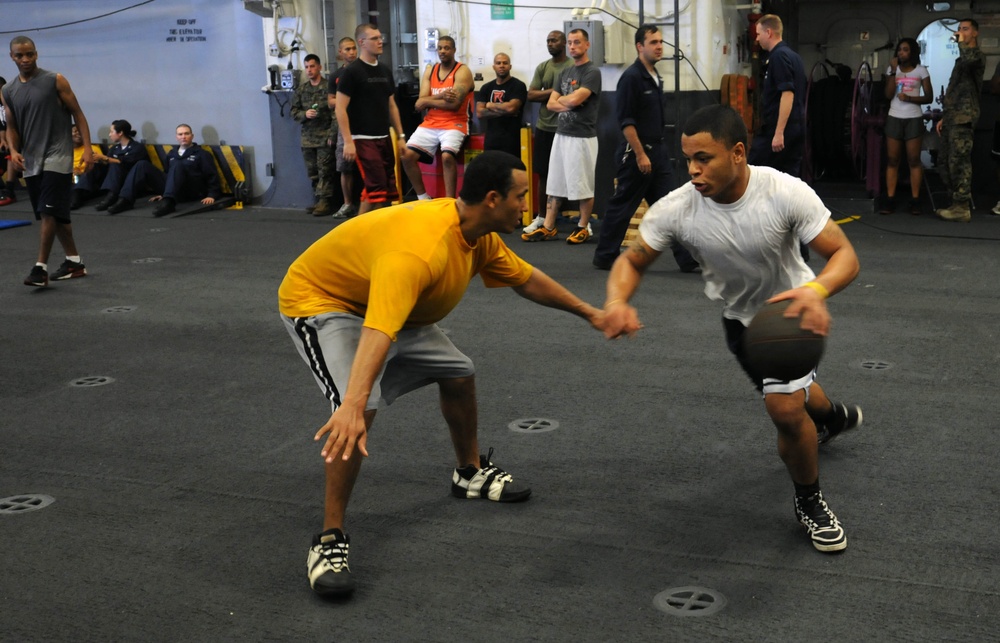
(535, 224)
(996, 208)
(487, 482)
(329, 574)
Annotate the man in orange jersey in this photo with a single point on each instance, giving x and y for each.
(446, 93)
(362, 305)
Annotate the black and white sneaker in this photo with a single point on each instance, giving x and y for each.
(822, 525)
(69, 270)
(843, 418)
(37, 278)
(329, 574)
(488, 481)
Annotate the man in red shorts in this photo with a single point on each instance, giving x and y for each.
(366, 108)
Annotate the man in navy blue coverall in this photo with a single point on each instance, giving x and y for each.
(190, 176)
(782, 136)
(644, 158)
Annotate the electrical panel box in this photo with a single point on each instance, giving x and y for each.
(260, 7)
(431, 39)
(595, 31)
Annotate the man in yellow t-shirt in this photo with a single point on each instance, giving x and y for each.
(96, 173)
(361, 305)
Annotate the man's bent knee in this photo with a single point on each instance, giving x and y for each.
(787, 410)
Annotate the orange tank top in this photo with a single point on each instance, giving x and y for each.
(438, 118)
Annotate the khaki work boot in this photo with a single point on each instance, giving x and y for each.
(959, 211)
(322, 208)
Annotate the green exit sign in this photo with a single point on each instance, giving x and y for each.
(501, 9)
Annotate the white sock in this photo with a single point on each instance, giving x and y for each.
(423, 197)
(44, 266)
(74, 258)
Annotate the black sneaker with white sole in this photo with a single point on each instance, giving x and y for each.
(842, 418)
(488, 482)
(69, 270)
(329, 574)
(824, 529)
(37, 278)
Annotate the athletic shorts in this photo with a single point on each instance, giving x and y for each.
(377, 163)
(542, 150)
(418, 357)
(50, 194)
(342, 165)
(571, 167)
(425, 142)
(734, 340)
(904, 129)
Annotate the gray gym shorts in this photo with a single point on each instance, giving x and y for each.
(418, 357)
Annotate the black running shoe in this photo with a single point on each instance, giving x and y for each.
(329, 574)
(69, 270)
(844, 418)
(822, 525)
(488, 482)
(38, 277)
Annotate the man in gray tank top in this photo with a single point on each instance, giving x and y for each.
(41, 111)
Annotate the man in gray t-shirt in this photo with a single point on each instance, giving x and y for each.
(573, 159)
(41, 111)
(581, 120)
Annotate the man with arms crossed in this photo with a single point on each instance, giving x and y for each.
(541, 87)
(499, 106)
(446, 92)
(573, 161)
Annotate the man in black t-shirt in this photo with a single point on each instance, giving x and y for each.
(366, 108)
(499, 105)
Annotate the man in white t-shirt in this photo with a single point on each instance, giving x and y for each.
(744, 225)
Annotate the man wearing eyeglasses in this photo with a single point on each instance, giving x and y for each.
(366, 109)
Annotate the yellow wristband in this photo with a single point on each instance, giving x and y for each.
(818, 287)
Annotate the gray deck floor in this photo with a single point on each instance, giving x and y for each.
(187, 490)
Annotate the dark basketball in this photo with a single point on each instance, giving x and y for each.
(775, 346)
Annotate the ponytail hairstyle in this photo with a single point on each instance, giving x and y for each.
(122, 126)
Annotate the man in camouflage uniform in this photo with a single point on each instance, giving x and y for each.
(310, 108)
(961, 111)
